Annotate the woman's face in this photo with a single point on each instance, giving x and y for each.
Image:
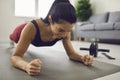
(61, 29)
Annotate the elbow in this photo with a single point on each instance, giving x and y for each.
(13, 59)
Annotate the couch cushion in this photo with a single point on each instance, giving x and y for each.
(114, 17)
(104, 26)
(83, 23)
(99, 18)
(117, 26)
(86, 27)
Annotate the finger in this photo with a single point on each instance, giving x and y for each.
(34, 71)
(90, 60)
(87, 59)
(33, 74)
(37, 60)
(35, 68)
(89, 63)
(36, 63)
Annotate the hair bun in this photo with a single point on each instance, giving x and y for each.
(58, 1)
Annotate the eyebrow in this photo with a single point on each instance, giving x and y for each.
(61, 30)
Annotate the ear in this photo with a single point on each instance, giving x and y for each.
(50, 19)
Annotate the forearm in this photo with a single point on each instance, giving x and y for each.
(86, 59)
(19, 62)
(75, 56)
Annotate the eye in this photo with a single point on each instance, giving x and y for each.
(61, 30)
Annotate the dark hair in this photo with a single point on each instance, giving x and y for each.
(61, 10)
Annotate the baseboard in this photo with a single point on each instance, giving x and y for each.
(110, 41)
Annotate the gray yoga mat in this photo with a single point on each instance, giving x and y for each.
(55, 66)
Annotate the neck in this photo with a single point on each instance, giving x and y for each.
(48, 30)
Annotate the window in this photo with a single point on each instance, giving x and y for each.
(32, 8)
(25, 8)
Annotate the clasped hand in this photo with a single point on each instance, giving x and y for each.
(34, 67)
(87, 59)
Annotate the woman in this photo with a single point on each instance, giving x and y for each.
(46, 32)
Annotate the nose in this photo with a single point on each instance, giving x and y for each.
(62, 34)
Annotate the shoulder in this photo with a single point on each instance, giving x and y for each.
(29, 30)
(29, 27)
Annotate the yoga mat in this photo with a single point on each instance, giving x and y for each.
(55, 66)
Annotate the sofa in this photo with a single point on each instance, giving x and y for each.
(100, 26)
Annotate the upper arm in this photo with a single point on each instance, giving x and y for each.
(67, 44)
(26, 37)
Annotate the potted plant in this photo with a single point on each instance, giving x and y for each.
(83, 10)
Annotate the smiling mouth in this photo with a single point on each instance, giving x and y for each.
(59, 37)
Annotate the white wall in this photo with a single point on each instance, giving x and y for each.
(101, 6)
(7, 19)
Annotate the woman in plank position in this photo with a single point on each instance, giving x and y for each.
(46, 32)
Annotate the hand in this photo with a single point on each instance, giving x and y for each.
(87, 59)
(34, 67)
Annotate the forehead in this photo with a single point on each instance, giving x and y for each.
(64, 25)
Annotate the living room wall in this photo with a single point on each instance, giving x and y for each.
(101, 6)
(8, 21)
